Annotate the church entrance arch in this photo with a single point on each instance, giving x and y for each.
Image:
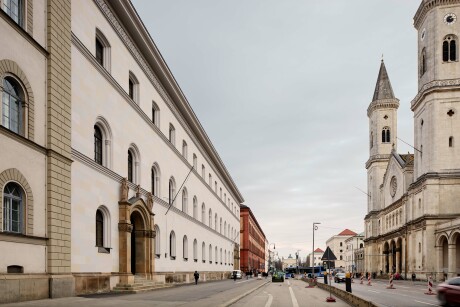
(445, 255)
(386, 248)
(393, 256)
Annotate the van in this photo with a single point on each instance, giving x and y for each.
(238, 274)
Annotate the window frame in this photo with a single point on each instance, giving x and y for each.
(133, 88)
(21, 12)
(7, 106)
(8, 199)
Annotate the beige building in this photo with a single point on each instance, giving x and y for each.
(338, 247)
(314, 259)
(97, 139)
(413, 220)
(289, 262)
(352, 256)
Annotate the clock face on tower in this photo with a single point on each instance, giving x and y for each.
(450, 19)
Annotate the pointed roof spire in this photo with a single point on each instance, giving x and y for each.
(383, 89)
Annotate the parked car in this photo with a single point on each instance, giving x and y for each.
(238, 274)
(278, 277)
(449, 292)
(339, 277)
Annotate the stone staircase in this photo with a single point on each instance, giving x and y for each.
(140, 285)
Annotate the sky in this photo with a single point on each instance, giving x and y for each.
(282, 90)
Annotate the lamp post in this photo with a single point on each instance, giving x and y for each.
(297, 261)
(313, 250)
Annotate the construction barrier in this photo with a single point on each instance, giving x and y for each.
(390, 282)
(362, 279)
(369, 280)
(430, 286)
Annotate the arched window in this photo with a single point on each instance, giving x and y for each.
(133, 88)
(102, 50)
(220, 226)
(210, 180)
(99, 229)
(386, 135)
(185, 248)
(220, 192)
(203, 252)
(203, 171)
(203, 213)
(172, 190)
(184, 149)
(451, 141)
(225, 228)
(371, 140)
(225, 257)
(423, 62)
(157, 242)
(215, 254)
(13, 208)
(155, 179)
(172, 245)
(210, 218)
(210, 253)
(195, 208)
(103, 229)
(13, 103)
(102, 143)
(195, 251)
(215, 221)
(172, 134)
(220, 255)
(449, 48)
(97, 145)
(155, 114)
(14, 9)
(225, 198)
(130, 166)
(195, 161)
(184, 200)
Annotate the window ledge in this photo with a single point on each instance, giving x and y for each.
(103, 250)
(185, 259)
(173, 257)
(195, 260)
(22, 238)
(157, 256)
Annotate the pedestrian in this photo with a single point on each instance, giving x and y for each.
(413, 277)
(196, 275)
(234, 276)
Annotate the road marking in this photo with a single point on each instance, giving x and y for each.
(373, 291)
(270, 300)
(243, 281)
(426, 303)
(288, 283)
(294, 300)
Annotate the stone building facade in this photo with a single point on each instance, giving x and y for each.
(337, 245)
(97, 140)
(413, 216)
(252, 238)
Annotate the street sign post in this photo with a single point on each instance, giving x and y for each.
(329, 256)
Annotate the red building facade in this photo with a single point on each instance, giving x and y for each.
(252, 240)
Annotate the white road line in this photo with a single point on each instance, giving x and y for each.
(270, 300)
(426, 303)
(243, 281)
(373, 291)
(294, 300)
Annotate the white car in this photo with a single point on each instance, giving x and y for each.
(238, 274)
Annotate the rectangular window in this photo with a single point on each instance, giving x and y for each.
(14, 9)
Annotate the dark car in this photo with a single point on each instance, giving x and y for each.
(449, 292)
(278, 277)
(339, 277)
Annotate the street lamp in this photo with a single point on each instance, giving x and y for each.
(313, 250)
(297, 261)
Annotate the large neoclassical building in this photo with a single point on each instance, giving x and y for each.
(106, 175)
(413, 219)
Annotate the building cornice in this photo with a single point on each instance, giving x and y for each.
(426, 6)
(144, 51)
(382, 104)
(377, 158)
(416, 185)
(434, 86)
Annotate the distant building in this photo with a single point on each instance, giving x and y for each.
(289, 262)
(252, 238)
(337, 245)
(317, 255)
(352, 244)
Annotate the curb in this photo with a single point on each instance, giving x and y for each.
(236, 299)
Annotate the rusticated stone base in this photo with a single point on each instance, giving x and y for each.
(23, 287)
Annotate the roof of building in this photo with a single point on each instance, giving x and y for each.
(347, 232)
(319, 250)
(383, 89)
(408, 158)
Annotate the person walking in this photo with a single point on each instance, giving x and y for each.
(196, 275)
(234, 276)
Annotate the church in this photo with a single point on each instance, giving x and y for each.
(413, 216)
(108, 181)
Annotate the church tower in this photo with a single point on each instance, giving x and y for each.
(436, 107)
(382, 113)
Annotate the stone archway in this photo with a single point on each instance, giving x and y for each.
(386, 253)
(139, 243)
(393, 256)
(444, 259)
(399, 249)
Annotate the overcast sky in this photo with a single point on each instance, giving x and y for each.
(282, 89)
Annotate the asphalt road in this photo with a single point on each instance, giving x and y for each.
(406, 293)
(290, 293)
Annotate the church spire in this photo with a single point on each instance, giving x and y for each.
(383, 89)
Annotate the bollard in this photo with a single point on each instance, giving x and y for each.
(390, 282)
(362, 279)
(369, 280)
(348, 282)
(430, 286)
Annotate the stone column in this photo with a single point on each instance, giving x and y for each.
(451, 260)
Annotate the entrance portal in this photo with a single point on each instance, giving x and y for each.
(137, 244)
